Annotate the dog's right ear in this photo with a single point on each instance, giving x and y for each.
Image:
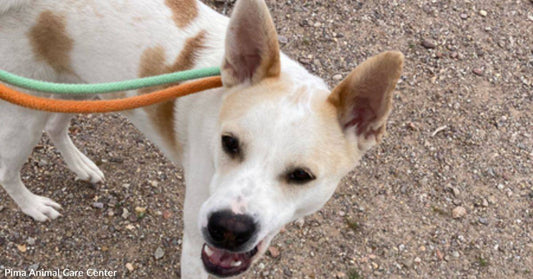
(252, 50)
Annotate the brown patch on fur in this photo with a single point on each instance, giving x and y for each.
(153, 63)
(183, 11)
(50, 41)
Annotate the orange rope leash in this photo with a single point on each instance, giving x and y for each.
(102, 106)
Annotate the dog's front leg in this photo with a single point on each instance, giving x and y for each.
(197, 178)
(85, 169)
(191, 255)
(191, 261)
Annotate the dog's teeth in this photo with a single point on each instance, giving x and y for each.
(208, 251)
(237, 263)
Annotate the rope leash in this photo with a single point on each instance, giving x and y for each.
(108, 87)
(102, 106)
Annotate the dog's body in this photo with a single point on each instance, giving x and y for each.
(267, 148)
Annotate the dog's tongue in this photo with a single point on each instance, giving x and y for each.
(224, 259)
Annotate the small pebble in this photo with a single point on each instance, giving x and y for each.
(283, 39)
(98, 205)
(337, 77)
(125, 213)
(407, 263)
(34, 267)
(401, 247)
(42, 163)
(439, 254)
(1, 208)
(340, 274)
(30, 241)
(464, 16)
(458, 212)
(478, 71)
(456, 192)
(429, 44)
(22, 248)
(483, 220)
(140, 210)
(304, 60)
(274, 251)
(129, 267)
(159, 253)
(483, 13)
(300, 223)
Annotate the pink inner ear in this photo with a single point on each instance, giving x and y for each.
(244, 66)
(250, 63)
(362, 115)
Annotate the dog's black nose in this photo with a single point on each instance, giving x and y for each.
(230, 231)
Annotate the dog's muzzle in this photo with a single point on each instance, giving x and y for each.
(229, 237)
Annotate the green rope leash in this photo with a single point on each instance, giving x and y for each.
(108, 87)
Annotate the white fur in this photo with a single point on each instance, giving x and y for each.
(109, 38)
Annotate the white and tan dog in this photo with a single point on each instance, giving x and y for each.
(267, 148)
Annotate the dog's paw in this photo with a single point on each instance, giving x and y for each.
(86, 170)
(41, 208)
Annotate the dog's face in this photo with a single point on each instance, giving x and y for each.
(282, 144)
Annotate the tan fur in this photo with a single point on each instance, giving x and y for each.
(239, 100)
(371, 84)
(334, 152)
(50, 41)
(153, 62)
(183, 11)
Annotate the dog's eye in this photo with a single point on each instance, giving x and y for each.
(230, 144)
(300, 176)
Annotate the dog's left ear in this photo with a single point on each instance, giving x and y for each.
(252, 50)
(364, 99)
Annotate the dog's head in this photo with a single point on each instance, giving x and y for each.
(284, 141)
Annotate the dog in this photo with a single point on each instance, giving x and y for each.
(267, 148)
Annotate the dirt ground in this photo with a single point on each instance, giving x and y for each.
(460, 137)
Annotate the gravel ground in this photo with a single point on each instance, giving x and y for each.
(449, 193)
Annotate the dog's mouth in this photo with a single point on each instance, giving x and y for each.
(223, 263)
